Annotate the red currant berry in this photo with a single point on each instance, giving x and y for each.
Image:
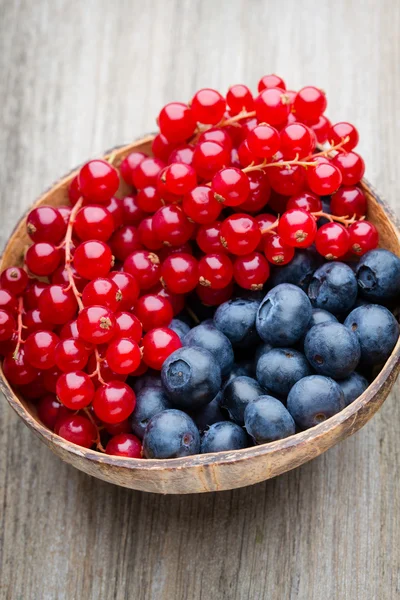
(251, 271)
(14, 279)
(129, 164)
(98, 181)
(34, 390)
(349, 201)
(180, 273)
(132, 214)
(177, 122)
(221, 136)
(128, 288)
(40, 349)
(351, 166)
(240, 234)
(123, 355)
(332, 241)
(171, 225)
(71, 355)
(149, 200)
(96, 324)
(209, 158)
(77, 430)
(178, 178)
(17, 370)
(153, 311)
(158, 344)
(50, 378)
(265, 220)
(8, 301)
(124, 444)
(74, 191)
(247, 126)
(42, 258)
(210, 297)
(161, 147)
(124, 241)
(340, 131)
(272, 106)
(45, 224)
(62, 276)
(263, 141)
(231, 186)
(321, 129)
(200, 205)
(246, 157)
(147, 235)
(235, 162)
(106, 373)
(7, 325)
(117, 428)
(31, 297)
(305, 201)
(287, 180)
(260, 192)
(271, 81)
(177, 301)
(296, 140)
(309, 104)
(324, 179)
(277, 252)
(363, 237)
(94, 223)
(208, 238)
(114, 402)
(297, 228)
(239, 98)
(146, 173)
(70, 330)
(57, 304)
(115, 208)
(128, 326)
(145, 267)
(48, 410)
(208, 106)
(102, 292)
(93, 259)
(9, 345)
(183, 154)
(215, 270)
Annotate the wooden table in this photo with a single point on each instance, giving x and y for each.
(78, 77)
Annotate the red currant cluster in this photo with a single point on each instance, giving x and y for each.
(104, 276)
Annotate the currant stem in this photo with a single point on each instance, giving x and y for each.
(68, 258)
(333, 218)
(97, 371)
(236, 118)
(193, 315)
(271, 228)
(20, 326)
(98, 443)
(327, 151)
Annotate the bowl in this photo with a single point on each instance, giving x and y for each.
(223, 470)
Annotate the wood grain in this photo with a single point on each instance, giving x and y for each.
(78, 77)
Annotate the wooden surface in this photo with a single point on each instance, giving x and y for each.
(78, 77)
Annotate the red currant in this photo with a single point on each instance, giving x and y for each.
(221, 136)
(309, 104)
(45, 224)
(321, 129)
(208, 238)
(158, 344)
(183, 154)
(240, 234)
(17, 370)
(123, 355)
(177, 301)
(260, 192)
(210, 297)
(40, 349)
(363, 237)
(209, 158)
(42, 258)
(106, 373)
(132, 214)
(287, 180)
(124, 444)
(272, 107)
(180, 273)
(349, 201)
(48, 410)
(277, 252)
(231, 186)
(263, 141)
(102, 292)
(340, 131)
(153, 311)
(332, 241)
(57, 304)
(149, 200)
(98, 181)
(94, 223)
(74, 191)
(208, 106)
(14, 279)
(297, 228)
(179, 178)
(70, 355)
(271, 81)
(128, 288)
(251, 271)
(177, 122)
(171, 225)
(96, 324)
(147, 235)
(296, 140)
(324, 179)
(124, 241)
(61, 276)
(114, 402)
(200, 205)
(306, 201)
(116, 210)
(128, 326)
(93, 259)
(146, 173)
(161, 147)
(215, 270)
(239, 98)
(145, 267)
(117, 428)
(7, 325)
(265, 220)
(351, 166)
(246, 157)
(129, 164)
(77, 430)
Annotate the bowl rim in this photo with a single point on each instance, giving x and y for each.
(199, 460)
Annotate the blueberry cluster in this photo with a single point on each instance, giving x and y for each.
(265, 367)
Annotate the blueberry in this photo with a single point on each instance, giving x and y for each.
(299, 271)
(267, 420)
(149, 379)
(333, 287)
(332, 350)
(378, 276)
(319, 315)
(171, 434)
(377, 331)
(283, 315)
(280, 368)
(353, 386)
(314, 399)
(236, 319)
(180, 327)
(261, 349)
(222, 437)
(238, 394)
(210, 338)
(238, 369)
(209, 414)
(191, 377)
(149, 401)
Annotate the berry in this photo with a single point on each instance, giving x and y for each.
(240, 234)
(332, 241)
(93, 259)
(50, 378)
(239, 98)
(158, 344)
(260, 192)
(183, 154)
(251, 271)
(333, 287)
(161, 147)
(339, 132)
(309, 103)
(124, 444)
(271, 81)
(102, 292)
(321, 129)
(217, 135)
(279, 369)
(207, 336)
(18, 371)
(8, 301)
(267, 420)
(124, 241)
(42, 258)
(78, 430)
(201, 206)
(377, 332)
(177, 122)
(145, 268)
(150, 400)
(297, 228)
(363, 237)
(128, 288)
(210, 297)
(178, 178)
(70, 355)
(170, 434)
(75, 390)
(378, 276)
(305, 201)
(236, 319)
(57, 304)
(179, 327)
(61, 276)
(45, 224)
(332, 350)
(153, 311)
(114, 402)
(265, 220)
(123, 355)
(40, 349)
(287, 180)
(272, 107)
(263, 141)
(48, 410)
(223, 437)
(128, 326)
(146, 173)
(209, 414)
(208, 106)
(352, 387)
(351, 166)
(33, 321)
(7, 325)
(177, 301)
(324, 179)
(115, 208)
(276, 251)
(98, 181)
(14, 280)
(74, 192)
(299, 271)
(146, 235)
(238, 394)
(209, 158)
(296, 139)
(349, 201)
(171, 225)
(314, 399)
(96, 324)
(94, 223)
(180, 273)
(230, 186)
(246, 157)
(215, 271)
(149, 200)
(132, 214)
(106, 373)
(129, 164)
(208, 238)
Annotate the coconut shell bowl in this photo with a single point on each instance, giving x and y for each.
(216, 471)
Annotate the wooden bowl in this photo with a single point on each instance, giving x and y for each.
(223, 470)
